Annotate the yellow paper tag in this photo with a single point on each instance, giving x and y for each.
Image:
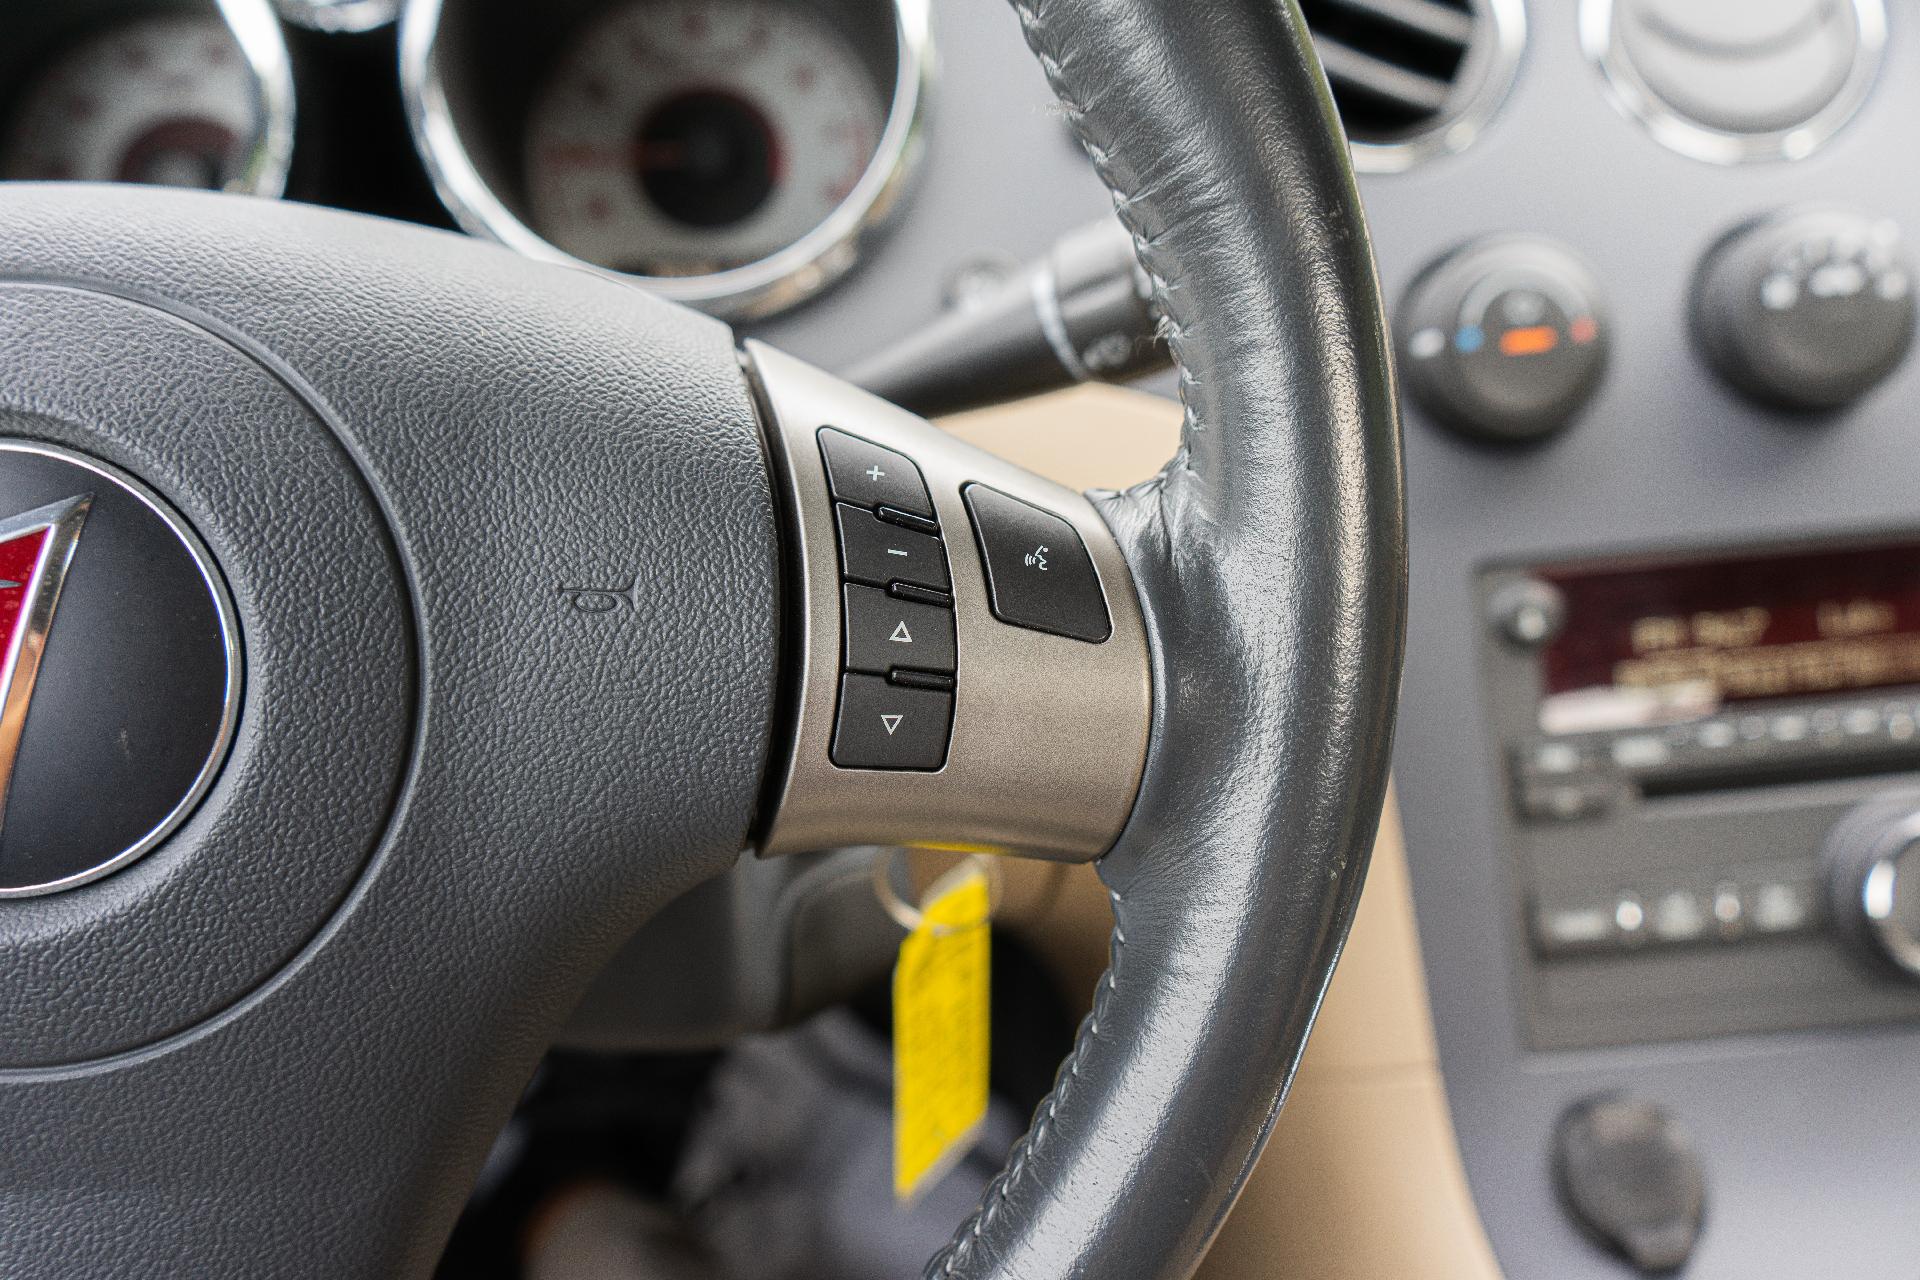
(940, 1031)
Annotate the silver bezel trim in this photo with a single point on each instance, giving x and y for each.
(257, 31)
(774, 283)
(230, 636)
(1492, 65)
(340, 17)
(1632, 97)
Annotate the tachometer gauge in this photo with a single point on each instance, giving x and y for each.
(173, 99)
(685, 137)
(730, 154)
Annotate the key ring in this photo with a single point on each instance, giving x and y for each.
(906, 914)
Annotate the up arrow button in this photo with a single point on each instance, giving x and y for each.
(883, 633)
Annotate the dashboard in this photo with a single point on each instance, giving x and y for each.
(1651, 270)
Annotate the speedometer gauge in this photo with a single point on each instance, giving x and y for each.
(731, 154)
(684, 137)
(170, 99)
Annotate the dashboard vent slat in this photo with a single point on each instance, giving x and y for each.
(1426, 17)
(1352, 69)
(1402, 71)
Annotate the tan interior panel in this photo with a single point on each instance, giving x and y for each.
(1363, 1176)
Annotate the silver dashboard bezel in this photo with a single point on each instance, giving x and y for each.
(339, 17)
(1461, 124)
(1630, 94)
(771, 284)
(1049, 737)
(256, 29)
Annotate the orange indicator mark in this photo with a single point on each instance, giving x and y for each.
(1531, 341)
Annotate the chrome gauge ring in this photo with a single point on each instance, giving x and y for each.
(1735, 84)
(165, 95)
(340, 17)
(729, 154)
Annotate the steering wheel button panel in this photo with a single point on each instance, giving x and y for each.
(1038, 572)
(877, 552)
(884, 633)
(886, 726)
(867, 475)
(1036, 747)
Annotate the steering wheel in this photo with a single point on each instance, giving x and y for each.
(395, 625)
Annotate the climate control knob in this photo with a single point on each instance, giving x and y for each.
(1504, 339)
(1873, 880)
(1806, 309)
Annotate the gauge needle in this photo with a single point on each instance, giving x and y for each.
(645, 156)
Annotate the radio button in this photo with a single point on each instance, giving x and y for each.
(1630, 919)
(1558, 757)
(1782, 906)
(1568, 801)
(1642, 751)
(1717, 735)
(1573, 927)
(1862, 722)
(1729, 911)
(1788, 728)
(1678, 916)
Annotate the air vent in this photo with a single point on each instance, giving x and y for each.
(1414, 77)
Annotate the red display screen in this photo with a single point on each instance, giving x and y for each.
(1737, 628)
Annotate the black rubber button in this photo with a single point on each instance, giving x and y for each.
(1630, 1176)
(871, 550)
(885, 726)
(884, 633)
(1039, 575)
(866, 474)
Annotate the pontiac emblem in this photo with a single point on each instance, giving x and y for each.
(35, 549)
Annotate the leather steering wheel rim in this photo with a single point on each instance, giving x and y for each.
(1270, 557)
(280, 1043)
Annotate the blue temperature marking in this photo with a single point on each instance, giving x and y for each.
(1469, 339)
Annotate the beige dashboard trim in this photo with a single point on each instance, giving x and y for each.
(1363, 1176)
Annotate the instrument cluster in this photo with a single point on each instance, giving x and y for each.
(168, 93)
(731, 154)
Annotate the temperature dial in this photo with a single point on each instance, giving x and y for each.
(1504, 339)
(1807, 309)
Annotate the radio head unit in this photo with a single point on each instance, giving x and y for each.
(1680, 732)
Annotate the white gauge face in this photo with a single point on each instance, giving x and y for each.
(167, 100)
(686, 137)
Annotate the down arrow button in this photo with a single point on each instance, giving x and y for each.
(886, 726)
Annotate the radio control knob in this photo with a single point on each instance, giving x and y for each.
(1806, 309)
(1873, 881)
